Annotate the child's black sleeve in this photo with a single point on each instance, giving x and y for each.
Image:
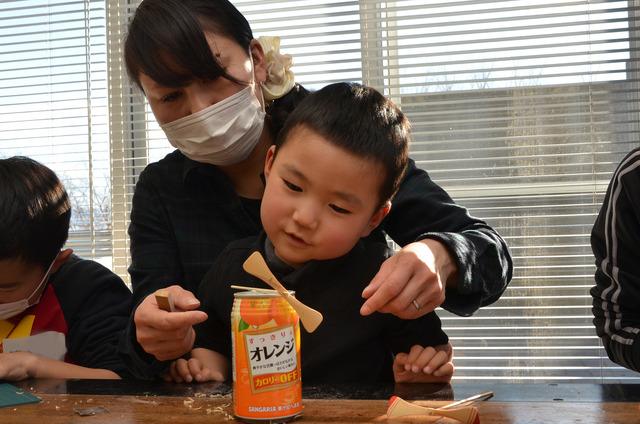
(424, 331)
(96, 304)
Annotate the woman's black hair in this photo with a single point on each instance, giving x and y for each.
(166, 41)
(34, 212)
(361, 121)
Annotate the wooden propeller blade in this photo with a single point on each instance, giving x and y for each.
(256, 266)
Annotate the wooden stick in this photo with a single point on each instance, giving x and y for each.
(254, 289)
(470, 399)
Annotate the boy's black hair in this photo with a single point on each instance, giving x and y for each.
(166, 41)
(34, 212)
(361, 121)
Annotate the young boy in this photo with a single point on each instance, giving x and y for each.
(60, 316)
(329, 180)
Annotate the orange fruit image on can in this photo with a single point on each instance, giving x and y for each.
(265, 333)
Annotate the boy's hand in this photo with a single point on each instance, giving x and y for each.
(168, 335)
(16, 366)
(424, 365)
(187, 371)
(412, 282)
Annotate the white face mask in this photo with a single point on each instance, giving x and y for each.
(225, 133)
(8, 310)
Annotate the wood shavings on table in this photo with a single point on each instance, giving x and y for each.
(221, 410)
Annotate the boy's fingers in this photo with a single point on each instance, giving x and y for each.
(173, 372)
(215, 376)
(400, 361)
(446, 369)
(195, 367)
(439, 359)
(423, 359)
(182, 367)
(401, 358)
(203, 375)
(414, 353)
(435, 362)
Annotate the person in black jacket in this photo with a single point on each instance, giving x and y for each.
(330, 178)
(60, 316)
(221, 96)
(615, 240)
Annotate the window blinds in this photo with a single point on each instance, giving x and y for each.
(520, 110)
(53, 103)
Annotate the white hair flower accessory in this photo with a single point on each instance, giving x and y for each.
(279, 76)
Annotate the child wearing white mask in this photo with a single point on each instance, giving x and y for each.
(221, 96)
(60, 316)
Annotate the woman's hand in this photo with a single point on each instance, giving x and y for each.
(412, 282)
(16, 366)
(424, 365)
(168, 335)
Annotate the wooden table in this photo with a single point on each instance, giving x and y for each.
(140, 402)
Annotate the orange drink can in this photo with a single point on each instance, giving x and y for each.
(265, 333)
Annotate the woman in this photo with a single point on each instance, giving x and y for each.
(205, 78)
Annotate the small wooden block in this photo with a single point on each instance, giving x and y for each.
(164, 300)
